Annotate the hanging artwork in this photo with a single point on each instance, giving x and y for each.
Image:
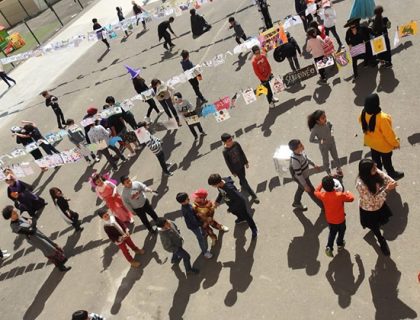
(272, 38)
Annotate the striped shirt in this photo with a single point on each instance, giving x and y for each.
(154, 145)
(299, 167)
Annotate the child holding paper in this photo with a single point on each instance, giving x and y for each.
(78, 138)
(185, 108)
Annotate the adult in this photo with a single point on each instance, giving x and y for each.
(108, 192)
(140, 86)
(163, 33)
(357, 35)
(237, 163)
(25, 140)
(234, 199)
(99, 33)
(199, 25)
(137, 11)
(187, 65)
(27, 228)
(23, 197)
(263, 9)
(301, 6)
(33, 132)
(373, 186)
(262, 70)
(379, 135)
(380, 26)
(5, 77)
(52, 101)
(134, 198)
(164, 94)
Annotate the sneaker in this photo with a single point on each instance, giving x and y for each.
(193, 271)
(63, 268)
(225, 229)
(339, 172)
(135, 264)
(208, 255)
(256, 200)
(123, 158)
(397, 175)
(204, 100)
(139, 251)
(147, 119)
(170, 174)
(97, 159)
(329, 252)
(161, 112)
(339, 248)
(239, 221)
(384, 248)
(274, 99)
(299, 206)
(271, 105)
(5, 255)
(203, 134)
(4, 251)
(388, 65)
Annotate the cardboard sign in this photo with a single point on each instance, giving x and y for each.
(408, 29)
(292, 21)
(142, 135)
(358, 50)
(31, 147)
(191, 118)
(148, 94)
(303, 74)
(222, 115)
(127, 105)
(342, 58)
(223, 103)
(325, 62)
(272, 38)
(249, 95)
(378, 45)
(277, 85)
(87, 122)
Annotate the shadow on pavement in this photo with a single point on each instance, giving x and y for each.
(398, 222)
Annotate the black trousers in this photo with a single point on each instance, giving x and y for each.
(196, 87)
(300, 190)
(335, 229)
(108, 156)
(162, 162)
(243, 214)
(244, 182)
(269, 93)
(169, 108)
(306, 20)
(60, 118)
(106, 42)
(238, 39)
(196, 125)
(168, 40)
(141, 213)
(5, 78)
(385, 160)
(49, 148)
(267, 18)
(152, 106)
(294, 63)
(334, 32)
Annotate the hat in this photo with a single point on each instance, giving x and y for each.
(225, 137)
(200, 193)
(91, 111)
(133, 72)
(352, 22)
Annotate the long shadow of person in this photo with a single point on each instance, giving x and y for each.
(384, 287)
(321, 94)
(240, 269)
(83, 178)
(241, 61)
(341, 278)
(398, 222)
(133, 275)
(303, 250)
(365, 85)
(212, 268)
(387, 81)
(192, 154)
(161, 190)
(47, 181)
(109, 252)
(52, 282)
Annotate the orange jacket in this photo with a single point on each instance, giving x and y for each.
(334, 204)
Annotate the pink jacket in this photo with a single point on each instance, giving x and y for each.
(314, 46)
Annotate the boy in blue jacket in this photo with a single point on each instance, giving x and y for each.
(193, 223)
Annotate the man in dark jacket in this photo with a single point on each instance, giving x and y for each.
(172, 241)
(199, 25)
(236, 161)
(193, 223)
(234, 200)
(187, 65)
(52, 101)
(300, 6)
(163, 33)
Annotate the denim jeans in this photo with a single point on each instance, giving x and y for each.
(335, 229)
(180, 253)
(201, 238)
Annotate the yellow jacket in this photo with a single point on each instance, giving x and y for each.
(383, 139)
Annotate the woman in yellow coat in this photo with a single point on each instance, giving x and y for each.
(379, 135)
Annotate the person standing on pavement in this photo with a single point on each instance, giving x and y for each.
(84, 315)
(171, 239)
(301, 6)
(262, 70)
(314, 45)
(121, 18)
(98, 28)
(137, 11)
(5, 77)
(118, 233)
(164, 94)
(193, 223)
(237, 163)
(62, 204)
(379, 135)
(28, 229)
(199, 25)
(187, 65)
(51, 101)
(134, 198)
(299, 169)
(31, 131)
(329, 19)
(263, 9)
(78, 138)
(333, 202)
(239, 32)
(235, 201)
(163, 33)
(380, 26)
(184, 107)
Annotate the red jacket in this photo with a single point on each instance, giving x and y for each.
(334, 204)
(261, 67)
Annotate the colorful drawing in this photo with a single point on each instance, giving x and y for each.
(378, 45)
(222, 115)
(272, 38)
(261, 90)
(249, 95)
(208, 109)
(408, 29)
(142, 135)
(342, 58)
(191, 117)
(358, 50)
(277, 85)
(223, 103)
(325, 62)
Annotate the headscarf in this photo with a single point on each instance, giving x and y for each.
(372, 108)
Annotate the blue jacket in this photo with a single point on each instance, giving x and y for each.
(191, 219)
(231, 196)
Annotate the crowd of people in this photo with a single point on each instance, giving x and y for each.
(116, 133)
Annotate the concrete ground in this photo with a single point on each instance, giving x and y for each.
(285, 273)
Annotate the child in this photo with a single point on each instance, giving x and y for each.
(118, 233)
(321, 133)
(120, 16)
(98, 29)
(164, 96)
(63, 204)
(28, 229)
(78, 138)
(204, 209)
(51, 101)
(155, 145)
(172, 241)
(239, 32)
(299, 169)
(329, 18)
(195, 84)
(314, 45)
(184, 107)
(193, 223)
(333, 202)
(84, 315)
